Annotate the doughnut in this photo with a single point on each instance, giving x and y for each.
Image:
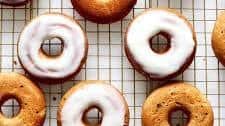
(163, 101)
(13, 2)
(103, 11)
(218, 38)
(49, 68)
(182, 41)
(29, 96)
(93, 94)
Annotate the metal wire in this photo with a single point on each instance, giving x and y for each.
(106, 59)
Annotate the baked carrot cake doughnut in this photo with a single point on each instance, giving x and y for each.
(49, 68)
(176, 28)
(103, 11)
(29, 97)
(93, 94)
(13, 2)
(162, 102)
(218, 38)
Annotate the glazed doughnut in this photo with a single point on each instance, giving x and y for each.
(47, 68)
(89, 94)
(13, 2)
(103, 11)
(177, 96)
(29, 97)
(176, 59)
(218, 38)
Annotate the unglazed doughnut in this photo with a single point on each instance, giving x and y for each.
(48, 68)
(88, 94)
(177, 96)
(165, 65)
(29, 97)
(103, 11)
(13, 2)
(218, 38)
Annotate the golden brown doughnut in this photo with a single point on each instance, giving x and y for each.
(29, 97)
(103, 11)
(218, 38)
(177, 96)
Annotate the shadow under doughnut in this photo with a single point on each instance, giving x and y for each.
(14, 2)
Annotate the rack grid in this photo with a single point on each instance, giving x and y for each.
(106, 59)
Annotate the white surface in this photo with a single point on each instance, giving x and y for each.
(106, 60)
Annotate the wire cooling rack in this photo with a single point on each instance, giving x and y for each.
(106, 59)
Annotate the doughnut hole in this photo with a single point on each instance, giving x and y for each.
(179, 117)
(10, 107)
(92, 116)
(52, 47)
(160, 43)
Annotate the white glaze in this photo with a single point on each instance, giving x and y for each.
(149, 24)
(49, 26)
(104, 96)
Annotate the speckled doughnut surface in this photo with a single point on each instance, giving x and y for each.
(161, 102)
(29, 97)
(218, 38)
(103, 11)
